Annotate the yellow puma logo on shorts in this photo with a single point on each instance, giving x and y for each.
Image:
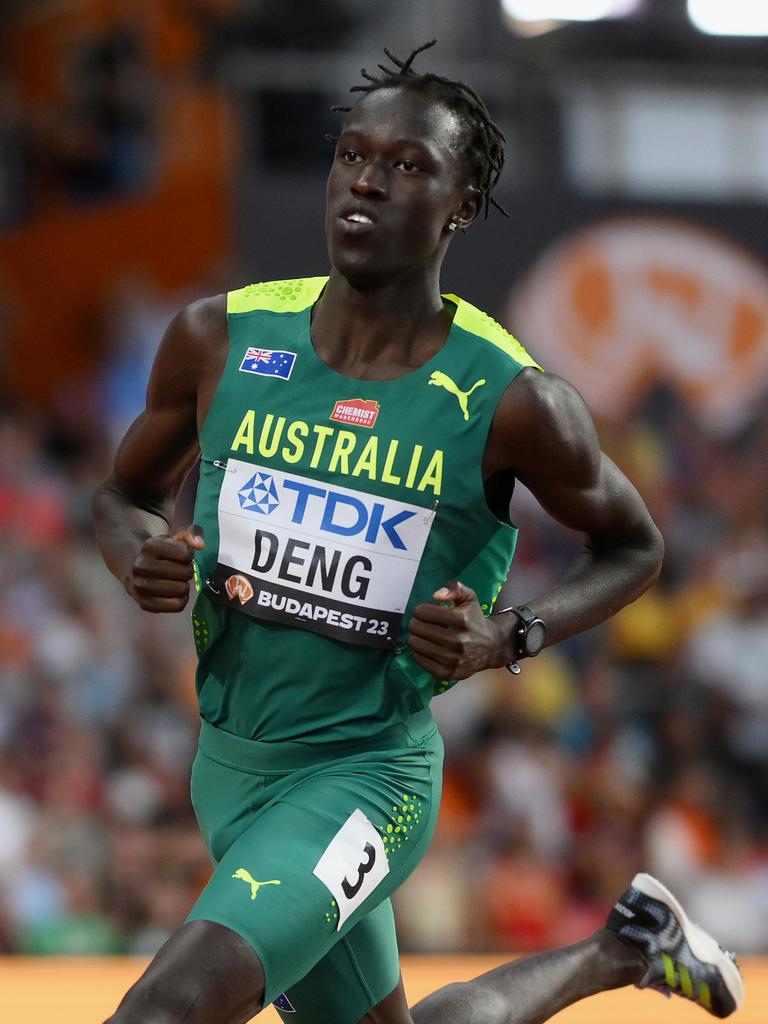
(442, 380)
(247, 877)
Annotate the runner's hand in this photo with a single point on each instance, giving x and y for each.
(454, 641)
(160, 575)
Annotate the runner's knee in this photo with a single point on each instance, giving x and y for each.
(204, 973)
(463, 1003)
(158, 1004)
(161, 1002)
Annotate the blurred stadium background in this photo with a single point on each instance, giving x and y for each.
(152, 151)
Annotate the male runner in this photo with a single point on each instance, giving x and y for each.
(359, 438)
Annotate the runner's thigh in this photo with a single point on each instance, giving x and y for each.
(331, 845)
(355, 974)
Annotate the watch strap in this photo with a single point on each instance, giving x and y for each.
(526, 617)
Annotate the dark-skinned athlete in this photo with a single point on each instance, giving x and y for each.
(359, 437)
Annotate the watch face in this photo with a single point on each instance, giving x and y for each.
(535, 637)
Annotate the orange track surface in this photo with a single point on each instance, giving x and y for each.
(75, 991)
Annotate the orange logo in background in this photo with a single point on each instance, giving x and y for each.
(238, 586)
(360, 412)
(628, 303)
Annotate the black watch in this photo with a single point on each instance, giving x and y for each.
(530, 635)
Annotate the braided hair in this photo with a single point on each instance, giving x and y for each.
(484, 144)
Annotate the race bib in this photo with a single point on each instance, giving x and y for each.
(318, 556)
(353, 864)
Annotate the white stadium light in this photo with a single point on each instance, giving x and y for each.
(566, 10)
(730, 17)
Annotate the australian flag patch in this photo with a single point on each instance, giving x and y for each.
(268, 362)
(283, 1003)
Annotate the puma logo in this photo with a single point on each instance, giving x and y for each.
(442, 380)
(248, 878)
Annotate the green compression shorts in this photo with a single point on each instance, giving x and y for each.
(308, 846)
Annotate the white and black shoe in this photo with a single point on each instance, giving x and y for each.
(682, 958)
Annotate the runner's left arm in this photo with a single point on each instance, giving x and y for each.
(133, 508)
(545, 435)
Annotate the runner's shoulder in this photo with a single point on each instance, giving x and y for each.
(202, 320)
(193, 348)
(198, 332)
(542, 406)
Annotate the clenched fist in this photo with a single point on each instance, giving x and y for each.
(453, 641)
(160, 575)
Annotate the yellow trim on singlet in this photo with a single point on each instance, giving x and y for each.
(294, 296)
(475, 321)
(276, 296)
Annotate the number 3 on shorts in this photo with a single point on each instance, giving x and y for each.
(353, 864)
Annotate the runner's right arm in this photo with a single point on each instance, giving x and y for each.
(133, 507)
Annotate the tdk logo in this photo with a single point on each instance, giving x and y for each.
(259, 494)
(345, 515)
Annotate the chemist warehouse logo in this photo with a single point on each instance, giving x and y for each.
(360, 412)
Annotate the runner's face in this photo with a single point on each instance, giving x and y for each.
(396, 181)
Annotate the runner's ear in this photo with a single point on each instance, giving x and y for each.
(469, 208)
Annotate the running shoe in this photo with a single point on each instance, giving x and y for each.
(682, 959)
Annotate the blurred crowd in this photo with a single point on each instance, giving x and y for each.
(98, 137)
(95, 142)
(99, 851)
(643, 744)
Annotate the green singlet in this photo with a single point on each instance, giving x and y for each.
(331, 507)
